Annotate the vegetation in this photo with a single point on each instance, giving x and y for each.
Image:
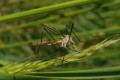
(96, 25)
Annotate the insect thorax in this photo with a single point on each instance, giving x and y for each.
(67, 40)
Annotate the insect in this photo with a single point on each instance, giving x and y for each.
(63, 41)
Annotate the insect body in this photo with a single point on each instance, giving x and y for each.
(63, 41)
(66, 39)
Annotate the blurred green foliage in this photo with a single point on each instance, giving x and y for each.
(97, 17)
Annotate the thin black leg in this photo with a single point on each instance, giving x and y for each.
(71, 29)
(37, 52)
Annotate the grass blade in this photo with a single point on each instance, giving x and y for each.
(38, 65)
(45, 9)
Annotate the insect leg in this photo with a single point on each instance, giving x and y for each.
(71, 29)
(37, 51)
(37, 58)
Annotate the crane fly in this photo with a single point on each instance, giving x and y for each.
(63, 41)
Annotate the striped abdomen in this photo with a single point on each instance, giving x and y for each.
(45, 43)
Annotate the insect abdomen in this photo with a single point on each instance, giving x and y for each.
(44, 43)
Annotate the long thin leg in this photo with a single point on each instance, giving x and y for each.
(63, 59)
(71, 30)
(37, 58)
(73, 33)
(37, 52)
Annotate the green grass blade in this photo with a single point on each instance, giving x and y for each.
(109, 72)
(45, 20)
(37, 65)
(45, 9)
(54, 18)
(6, 76)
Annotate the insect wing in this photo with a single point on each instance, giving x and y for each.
(52, 29)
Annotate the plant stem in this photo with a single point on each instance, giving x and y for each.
(38, 65)
(45, 20)
(46, 9)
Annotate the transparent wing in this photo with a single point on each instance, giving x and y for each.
(52, 29)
